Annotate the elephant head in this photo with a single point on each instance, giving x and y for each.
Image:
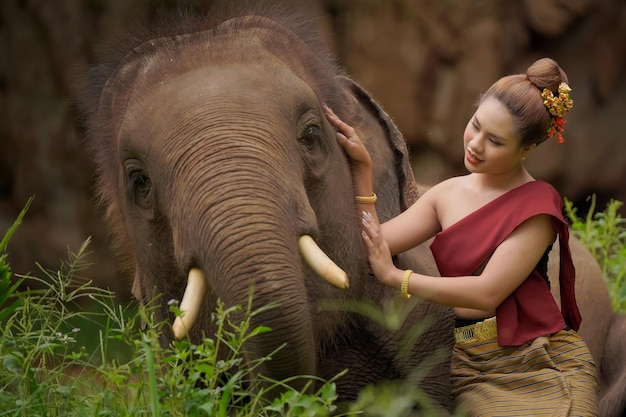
(216, 163)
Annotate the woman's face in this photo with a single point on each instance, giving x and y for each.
(492, 143)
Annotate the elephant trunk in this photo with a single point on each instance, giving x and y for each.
(196, 288)
(223, 247)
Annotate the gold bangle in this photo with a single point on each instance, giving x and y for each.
(404, 287)
(366, 200)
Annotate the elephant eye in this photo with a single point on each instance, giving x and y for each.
(311, 136)
(139, 185)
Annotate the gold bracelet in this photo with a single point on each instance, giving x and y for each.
(366, 200)
(404, 287)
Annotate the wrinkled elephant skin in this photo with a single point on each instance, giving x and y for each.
(215, 159)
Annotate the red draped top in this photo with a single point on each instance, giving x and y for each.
(530, 311)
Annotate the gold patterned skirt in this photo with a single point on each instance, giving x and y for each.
(551, 376)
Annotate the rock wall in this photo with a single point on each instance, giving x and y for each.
(426, 62)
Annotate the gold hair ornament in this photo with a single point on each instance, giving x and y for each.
(557, 106)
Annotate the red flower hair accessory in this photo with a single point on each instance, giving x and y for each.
(558, 107)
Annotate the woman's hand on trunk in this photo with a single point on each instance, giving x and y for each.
(378, 252)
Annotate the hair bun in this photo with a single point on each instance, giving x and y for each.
(546, 73)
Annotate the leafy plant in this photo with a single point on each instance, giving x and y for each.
(70, 349)
(45, 370)
(8, 304)
(603, 233)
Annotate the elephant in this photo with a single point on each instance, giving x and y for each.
(218, 170)
(215, 162)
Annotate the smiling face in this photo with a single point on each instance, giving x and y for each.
(491, 140)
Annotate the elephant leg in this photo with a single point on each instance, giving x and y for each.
(370, 355)
(613, 370)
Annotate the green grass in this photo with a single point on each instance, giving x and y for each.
(46, 371)
(603, 233)
(8, 287)
(71, 349)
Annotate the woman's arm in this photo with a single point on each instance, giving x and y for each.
(360, 160)
(508, 267)
(409, 229)
(413, 226)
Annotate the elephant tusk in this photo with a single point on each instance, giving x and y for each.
(319, 262)
(191, 303)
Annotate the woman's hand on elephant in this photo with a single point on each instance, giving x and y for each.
(378, 251)
(350, 141)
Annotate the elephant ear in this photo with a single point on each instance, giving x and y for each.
(408, 186)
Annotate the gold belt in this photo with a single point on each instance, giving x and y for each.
(483, 330)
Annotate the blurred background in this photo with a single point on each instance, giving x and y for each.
(425, 62)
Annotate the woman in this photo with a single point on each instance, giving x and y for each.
(516, 353)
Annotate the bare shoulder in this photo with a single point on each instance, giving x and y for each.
(442, 188)
(452, 200)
